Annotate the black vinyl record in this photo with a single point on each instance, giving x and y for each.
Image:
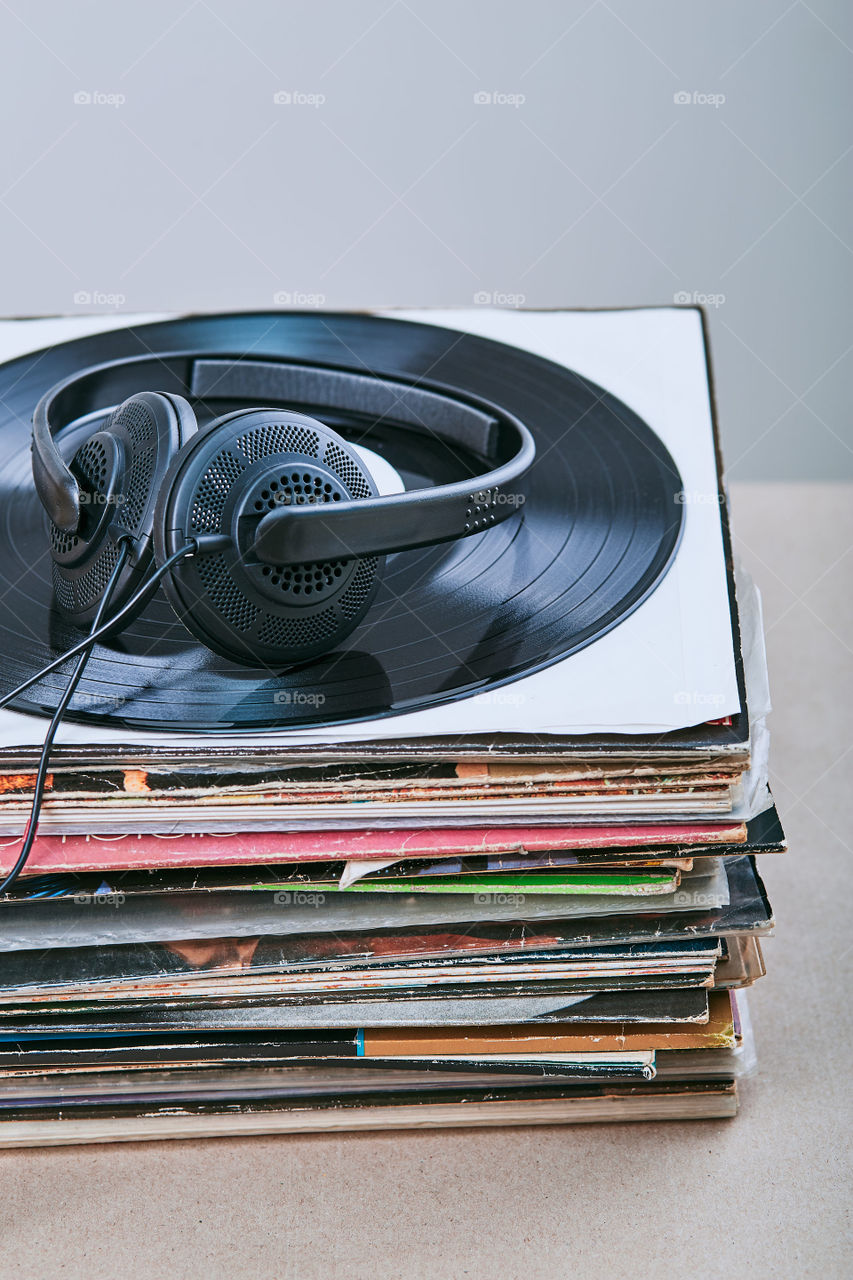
(598, 529)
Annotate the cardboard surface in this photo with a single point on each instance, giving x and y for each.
(762, 1195)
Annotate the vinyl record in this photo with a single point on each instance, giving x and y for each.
(598, 528)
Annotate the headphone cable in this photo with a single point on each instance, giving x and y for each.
(100, 629)
(84, 650)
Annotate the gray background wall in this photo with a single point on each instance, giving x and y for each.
(629, 152)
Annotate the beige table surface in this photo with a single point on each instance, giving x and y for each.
(766, 1194)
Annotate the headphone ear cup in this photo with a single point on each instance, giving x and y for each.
(119, 470)
(225, 481)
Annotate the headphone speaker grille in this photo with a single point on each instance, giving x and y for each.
(119, 471)
(209, 502)
(225, 595)
(268, 440)
(238, 471)
(350, 472)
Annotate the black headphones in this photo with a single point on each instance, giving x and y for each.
(283, 527)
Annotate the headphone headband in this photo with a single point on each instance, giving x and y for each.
(293, 534)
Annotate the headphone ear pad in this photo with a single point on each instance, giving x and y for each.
(225, 481)
(119, 470)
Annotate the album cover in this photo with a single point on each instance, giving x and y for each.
(251, 964)
(58, 922)
(741, 963)
(700, 576)
(742, 909)
(718, 1032)
(56, 1127)
(91, 1049)
(541, 973)
(99, 885)
(191, 1082)
(177, 849)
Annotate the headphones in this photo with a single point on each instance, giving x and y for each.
(281, 522)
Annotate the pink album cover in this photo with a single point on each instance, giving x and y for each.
(146, 852)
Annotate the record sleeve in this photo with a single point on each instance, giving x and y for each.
(586, 337)
(86, 921)
(468, 1108)
(177, 849)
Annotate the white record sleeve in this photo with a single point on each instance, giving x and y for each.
(667, 666)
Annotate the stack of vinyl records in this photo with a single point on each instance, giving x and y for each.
(490, 859)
